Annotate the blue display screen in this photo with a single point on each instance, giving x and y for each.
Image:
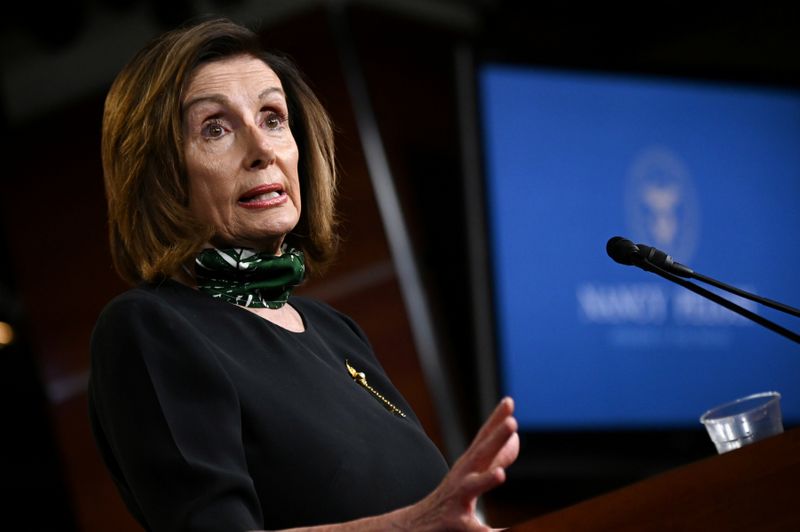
(707, 172)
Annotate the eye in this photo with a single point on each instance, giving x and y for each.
(213, 130)
(274, 120)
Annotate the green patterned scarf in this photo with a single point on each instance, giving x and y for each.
(245, 277)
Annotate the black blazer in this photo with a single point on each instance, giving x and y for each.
(212, 418)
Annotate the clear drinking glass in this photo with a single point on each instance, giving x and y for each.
(743, 421)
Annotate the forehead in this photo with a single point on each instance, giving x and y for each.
(239, 73)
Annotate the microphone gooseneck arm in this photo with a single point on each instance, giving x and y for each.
(650, 259)
(626, 252)
(774, 327)
(747, 295)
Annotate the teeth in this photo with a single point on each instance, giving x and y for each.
(264, 197)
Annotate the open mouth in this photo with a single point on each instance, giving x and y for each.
(261, 197)
(261, 194)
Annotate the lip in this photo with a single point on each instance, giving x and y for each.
(264, 203)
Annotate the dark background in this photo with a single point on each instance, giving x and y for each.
(55, 272)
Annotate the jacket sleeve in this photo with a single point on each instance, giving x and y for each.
(167, 420)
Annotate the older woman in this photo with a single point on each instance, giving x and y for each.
(218, 401)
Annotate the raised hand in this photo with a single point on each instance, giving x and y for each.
(451, 506)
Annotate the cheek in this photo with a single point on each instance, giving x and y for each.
(208, 191)
(292, 162)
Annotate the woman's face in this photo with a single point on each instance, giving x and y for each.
(241, 157)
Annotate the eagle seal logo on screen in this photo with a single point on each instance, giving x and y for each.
(661, 203)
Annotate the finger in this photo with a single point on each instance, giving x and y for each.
(477, 484)
(508, 454)
(485, 449)
(503, 410)
(487, 443)
(490, 450)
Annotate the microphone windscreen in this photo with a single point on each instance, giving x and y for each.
(622, 250)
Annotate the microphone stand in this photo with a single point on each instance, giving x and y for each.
(774, 327)
(752, 297)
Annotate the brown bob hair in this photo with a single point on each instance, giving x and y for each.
(151, 229)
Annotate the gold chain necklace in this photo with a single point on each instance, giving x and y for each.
(361, 379)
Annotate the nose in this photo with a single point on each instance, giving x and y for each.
(260, 152)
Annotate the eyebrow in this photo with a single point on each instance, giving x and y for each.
(223, 100)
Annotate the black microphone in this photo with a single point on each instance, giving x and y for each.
(623, 251)
(654, 260)
(626, 252)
